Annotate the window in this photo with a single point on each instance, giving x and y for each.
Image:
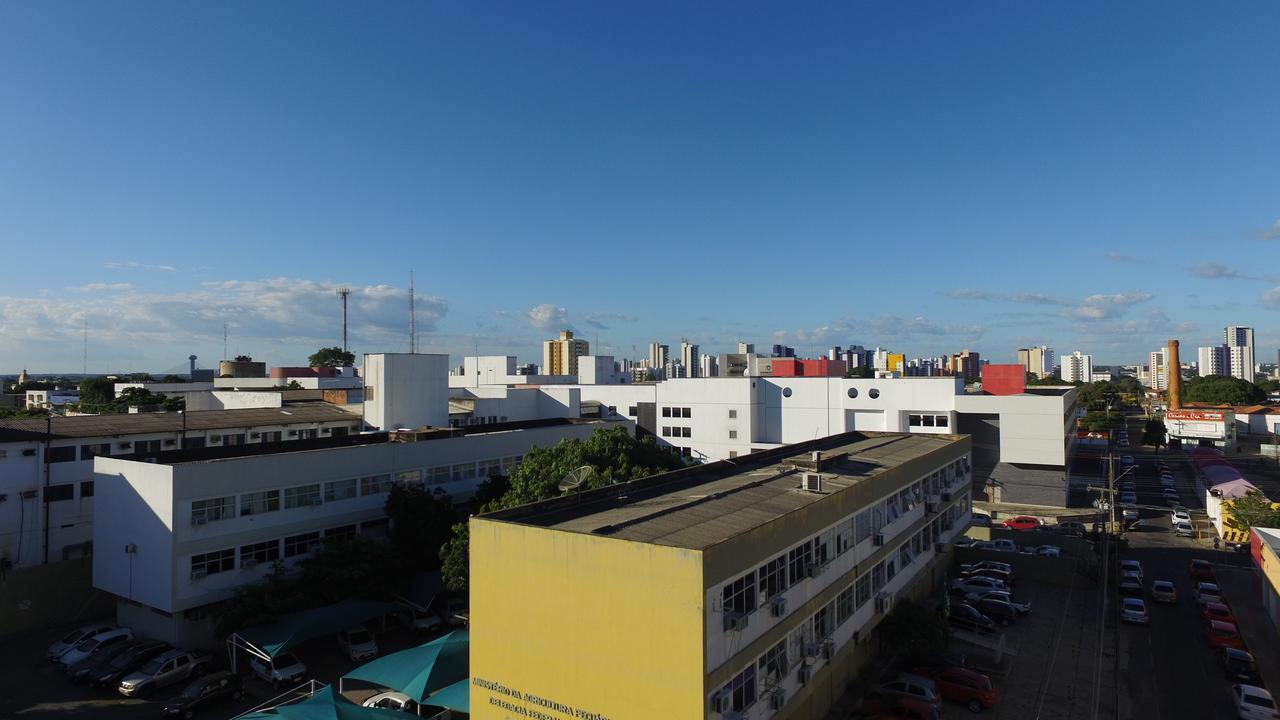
(773, 663)
(193, 442)
(339, 490)
(928, 420)
(733, 434)
(824, 621)
(877, 578)
(666, 412)
(633, 411)
(88, 452)
(213, 562)
(890, 567)
(740, 595)
(212, 509)
(86, 489)
(260, 502)
(687, 432)
(943, 420)
(733, 414)
(271, 437)
(733, 454)
(56, 493)
(463, 472)
(296, 545)
(67, 453)
(862, 529)
(741, 690)
(798, 559)
(374, 484)
(234, 439)
(844, 605)
(409, 477)
(489, 468)
(368, 393)
(438, 475)
(853, 393)
(786, 392)
(684, 412)
(874, 393)
(342, 532)
(913, 420)
(773, 577)
(259, 553)
(375, 529)
(904, 555)
(862, 590)
(666, 431)
(613, 409)
(302, 496)
(844, 536)
(307, 434)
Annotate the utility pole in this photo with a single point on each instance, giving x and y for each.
(224, 339)
(413, 337)
(343, 292)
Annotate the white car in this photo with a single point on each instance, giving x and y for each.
(73, 638)
(1184, 529)
(1181, 516)
(392, 701)
(91, 645)
(1131, 566)
(1003, 596)
(282, 669)
(1004, 545)
(978, 585)
(421, 621)
(1133, 610)
(1208, 593)
(358, 643)
(1253, 702)
(1052, 551)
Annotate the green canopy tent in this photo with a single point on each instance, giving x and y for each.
(326, 704)
(422, 670)
(268, 640)
(452, 697)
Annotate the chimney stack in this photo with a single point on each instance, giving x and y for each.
(1173, 369)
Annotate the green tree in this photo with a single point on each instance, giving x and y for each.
(913, 632)
(96, 392)
(294, 385)
(1254, 510)
(862, 371)
(421, 524)
(455, 559)
(173, 379)
(1154, 433)
(1222, 390)
(332, 357)
(18, 413)
(1269, 385)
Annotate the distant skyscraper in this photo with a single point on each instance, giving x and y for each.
(1239, 342)
(658, 359)
(1077, 367)
(968, 364)
(783, 351)
(709, 367)
(1213, 360)
(834, 353)
(689, 358)
(745, 347)
(1157, 373)
(560, 356)
(880, 359)
(1038, 361)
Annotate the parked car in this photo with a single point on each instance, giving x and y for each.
(1070, 527)
(1238, 665)
(1224, 635)
(96, 644)
(1200, 570)
(1180, 516)
(1183, 529)
(455, 611)
(1208, 593)
(108, 674)
(79, 671)
(911, 686)
(1130, 584)
(1001, 575)
(1217, 611)
(392, 701)
(975, 585)
(214, 689)
(279, 670)
(987, 564)
(421, 620)
(963, 541)
(74, 637)
(998, 610)
(1134, 611)
(1022, 522)
(877, 707)
(1004, 545)
(966, 617)
(1131, 566)
(358, 643)
(1052, 551)
(1253, 702)
(1004, 596)
(967, 687)
(163, 670)
(980, 520)
(1163, 591)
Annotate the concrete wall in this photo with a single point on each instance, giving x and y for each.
(137, 511)
(233, 400)
(407, 390)
(37, 598)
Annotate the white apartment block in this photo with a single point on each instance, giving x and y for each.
(689, 358)
(1213, 361)
(1038, 361)
(1240, 351)
(177, 535)
(1157, 375)
(1077, 367)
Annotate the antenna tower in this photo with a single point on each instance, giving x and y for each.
(85, 369)
(413, 337)
(224, 339)
(343, 292)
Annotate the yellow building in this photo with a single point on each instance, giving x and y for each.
(897, 362)
(746, 589)
(1266, 554)
(560, 356)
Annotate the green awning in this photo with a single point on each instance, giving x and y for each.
(292, 630)
(325, 705)
(453, 697)
(420, 671)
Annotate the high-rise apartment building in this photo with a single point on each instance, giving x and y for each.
(1038, 361)
(560, 356)
(1077, 367)
(745, 347)
(879, 359)
(1213, 360)
(708, 366)
(967, 363)
(1239, 342)
(658, 358)
(1157, 375)
(689, 358)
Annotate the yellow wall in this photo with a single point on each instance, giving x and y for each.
(569, 618)
(896, 361)
(1271, 567)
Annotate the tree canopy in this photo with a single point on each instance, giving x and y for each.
(1222, 390)
(96, 391)
(1254, 510)
(862, 371)
(332, 357)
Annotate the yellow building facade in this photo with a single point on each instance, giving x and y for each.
(560, 356)
(743, 590)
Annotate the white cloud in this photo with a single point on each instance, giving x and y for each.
(1106, 307)
(105, 287)
(135, 265)
(1268, 233)
(549, 317)
(1271, 298)
(1121, 257)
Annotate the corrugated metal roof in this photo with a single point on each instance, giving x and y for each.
(81, 426)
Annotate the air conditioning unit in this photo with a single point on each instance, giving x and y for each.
(197, 573)
(828, 650)
(130, 548)
(878, 540)
(777, 699)
(170, 442)
(255, 436)
(126, 445)
(778, 605)
(931, 507)
(199, 520)
(804, 674)
(720, 702)
(735, 621)
(316, 502)
(946, 496)
(811, 482)
(812, 649)
(884, 601)
(812, 570)
(248, 563)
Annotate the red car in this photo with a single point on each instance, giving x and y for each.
(1217, 611)
(1022, 522)
(1201, 570)
(1224, 635)
(969, 688)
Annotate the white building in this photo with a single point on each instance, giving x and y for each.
(1240, 351)
(1212, 360)
(180, 534)
(1077, 367)
(689, 358)
(406, 390)
(1157, 373)
(708, 366)
(1038, 361)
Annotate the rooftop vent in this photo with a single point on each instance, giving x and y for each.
(811, 482)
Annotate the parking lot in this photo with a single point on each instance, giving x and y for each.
(32, 687)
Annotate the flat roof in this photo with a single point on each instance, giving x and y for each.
(704, 505)
(83, 426)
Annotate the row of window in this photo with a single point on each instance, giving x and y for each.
(676, 412)
(209, 510)
(767, 671)
(70, 453)
(676, 431)
(254, 554)
(67, 491)
(928, 421)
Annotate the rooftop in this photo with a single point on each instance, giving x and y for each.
(704, 505)
(85, 426)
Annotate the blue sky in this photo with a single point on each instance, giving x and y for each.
(921, 176)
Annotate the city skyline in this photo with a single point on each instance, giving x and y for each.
(925, 181)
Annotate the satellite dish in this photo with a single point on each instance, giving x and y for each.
(576, 478)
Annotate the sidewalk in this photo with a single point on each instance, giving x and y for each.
(1260, 636)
